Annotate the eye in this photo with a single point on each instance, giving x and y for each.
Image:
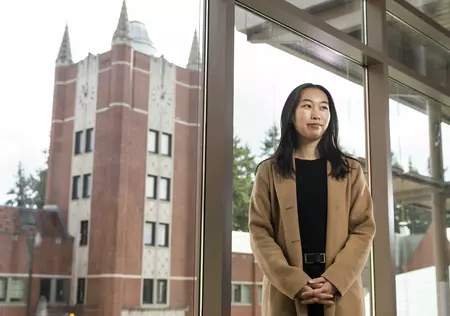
(307, 105)
(325, 107)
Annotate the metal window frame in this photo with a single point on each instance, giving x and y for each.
(214, 288)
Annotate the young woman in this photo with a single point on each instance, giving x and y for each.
(310, 217)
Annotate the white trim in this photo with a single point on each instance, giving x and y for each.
(35, 275)
(140, 111)
(104, 69)
(119, 104)
(183, 278)
(146, 72)
(186, 85)
(120, 62)
(246, 282)
(69, 119)
(64, 82)
(178, 121)
(113, 276)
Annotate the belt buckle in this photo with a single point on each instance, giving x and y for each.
(315, 258)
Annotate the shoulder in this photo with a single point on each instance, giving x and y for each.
(264, 168)
(355, 168)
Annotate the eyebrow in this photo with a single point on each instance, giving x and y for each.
(302, 100)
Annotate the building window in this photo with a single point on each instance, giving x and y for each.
(164, 189)
(152, 142)
(78, 136)
(151, 187)
(163, 235)
(87, 185)
(75, 184)
(166, 144)
(45, 288)
(242, 294)
(17, 290)
(162, 292)
(84, 225)
(149, 234)
(89, 145)
(81, 286)
(61, 291)
(147, 292)
(3, 289)
(260, 288)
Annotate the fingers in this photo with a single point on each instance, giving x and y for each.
(317, 280)
(315, 300)
(316, 285)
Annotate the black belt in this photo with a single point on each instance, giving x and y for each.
(310, 258)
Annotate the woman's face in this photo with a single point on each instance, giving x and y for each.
(312, 115)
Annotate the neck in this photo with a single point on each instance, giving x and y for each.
(307, 151)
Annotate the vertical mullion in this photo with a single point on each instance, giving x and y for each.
(379, 162)
(217, 168)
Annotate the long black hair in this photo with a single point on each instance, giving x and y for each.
(328, 146)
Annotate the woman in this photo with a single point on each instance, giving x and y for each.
(310, 217)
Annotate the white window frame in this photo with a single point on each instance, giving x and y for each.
(164, 193)
(166, 144)
(154, 193)
(163, 234)
(152, 147)
(241, 287)
(149, 230)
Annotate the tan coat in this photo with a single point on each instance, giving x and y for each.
(275, 240)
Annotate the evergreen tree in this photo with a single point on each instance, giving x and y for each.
(243, 170)
(270, 142)
(21, 193)
(411, 168)
(38, 184)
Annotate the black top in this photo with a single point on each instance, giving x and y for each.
(312, 204)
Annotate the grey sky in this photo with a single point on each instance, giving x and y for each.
(33, 41)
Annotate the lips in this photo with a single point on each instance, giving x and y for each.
(315, 125)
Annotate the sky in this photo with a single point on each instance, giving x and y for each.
(264, 76)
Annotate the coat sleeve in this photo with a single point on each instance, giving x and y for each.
(289, 280)
(349, 262)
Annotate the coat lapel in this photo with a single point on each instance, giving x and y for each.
(287, 199)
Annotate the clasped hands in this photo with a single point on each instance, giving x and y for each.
(318, 291)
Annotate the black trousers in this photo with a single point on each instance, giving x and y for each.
(315, 270)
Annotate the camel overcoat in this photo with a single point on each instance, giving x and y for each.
(276, 244)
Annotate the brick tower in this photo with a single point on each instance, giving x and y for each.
(123, 172)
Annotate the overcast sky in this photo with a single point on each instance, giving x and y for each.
(264, 76)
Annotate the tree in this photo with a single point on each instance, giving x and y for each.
(271, 141)
(21, 193)
(243, 170)
(411, 168)
(38, 184)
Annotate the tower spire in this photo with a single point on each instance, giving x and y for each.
(65, 53)
(122, 33)
(194, 62)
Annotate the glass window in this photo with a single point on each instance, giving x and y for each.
(78, 136)
(147, 292)
(45, 288)
(81, 288)
(149, 234)
(75, 187)
(294, 60)
(437, 10)
(61, 290)
(152, 141)
(260, 293)
(3, 289)
(17, 290)
(151, 186)
(89, 140)
(162, 292)
(417, 169)
(87, 185)
(163, 235)
(346, 16)
(84, 230)
(166, 144)
(164, 189)
(410, 47)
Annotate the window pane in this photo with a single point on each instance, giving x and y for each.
(87, 185)
(237, 293)
(408, 46)
(151, 187)
(166, 144)
(437, 10)
(162, 292)
(45, 288)
(17, 291)
(78, 136)
(164, 189)
(147, 293)
(84, 230)
(89, 140)
(149, 234)
(3, 289)
(163, 235)
(345, 16)
(152, 141)
(416, 124)
(293, 60)
(61, 290)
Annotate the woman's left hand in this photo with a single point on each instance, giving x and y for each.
(322, 285)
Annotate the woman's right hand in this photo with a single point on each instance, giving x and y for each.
(307, 296)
